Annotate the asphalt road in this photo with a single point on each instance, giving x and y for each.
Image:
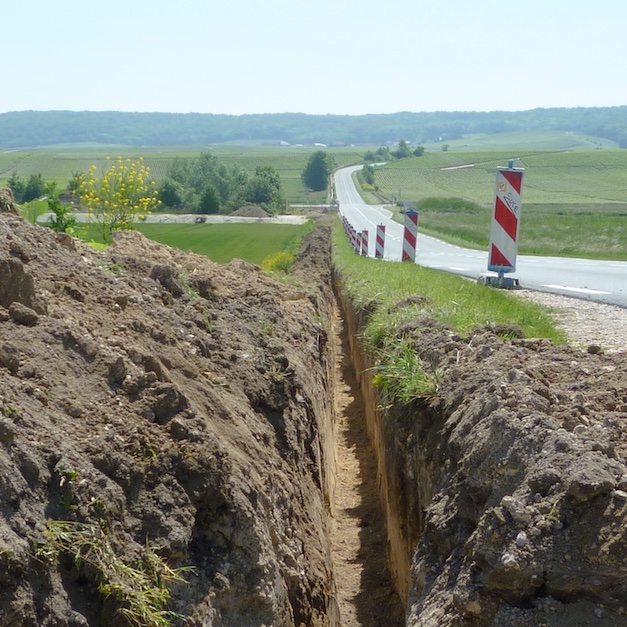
(597, 280)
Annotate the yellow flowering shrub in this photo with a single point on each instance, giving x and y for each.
(123, 195)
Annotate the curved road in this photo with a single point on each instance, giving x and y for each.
(601, 281)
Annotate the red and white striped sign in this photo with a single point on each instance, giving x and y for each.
(380, 242)
(506, 220)
(355, 238)
(364, 243)
(410, 235)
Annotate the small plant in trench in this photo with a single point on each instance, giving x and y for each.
(401, 375)
(142, 590)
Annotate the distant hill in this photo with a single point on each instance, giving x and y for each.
(23, 129)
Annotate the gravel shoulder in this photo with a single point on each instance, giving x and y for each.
(588, 325)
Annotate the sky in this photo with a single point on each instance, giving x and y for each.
(319, 57)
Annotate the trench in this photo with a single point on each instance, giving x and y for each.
(366, 593)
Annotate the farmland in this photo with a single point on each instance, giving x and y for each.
(574, 196)
(574, 202)
(58, 164)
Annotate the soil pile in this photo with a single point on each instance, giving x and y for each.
(512, 485)
(250, 211)
(172, 413)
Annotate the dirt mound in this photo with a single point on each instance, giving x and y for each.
(520, 484)
(159, 411)
(7, 202)
(250, 211)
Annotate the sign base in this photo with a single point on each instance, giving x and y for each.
(500, 281)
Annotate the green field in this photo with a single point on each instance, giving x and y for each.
(574, 194)
(59, 163)
(574, 202)
(224, 242)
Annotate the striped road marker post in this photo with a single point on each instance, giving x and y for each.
(364, 243)
(505, 220)
(410, 235)
(380, 242)
(356, 239)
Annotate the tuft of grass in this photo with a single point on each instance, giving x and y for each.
(142, 591)
(401, 376)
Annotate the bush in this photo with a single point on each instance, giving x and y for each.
(281, 262)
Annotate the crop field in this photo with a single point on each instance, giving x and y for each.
(59, 164)
(573, 202)
(223, 242)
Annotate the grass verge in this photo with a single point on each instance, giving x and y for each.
(396, 294)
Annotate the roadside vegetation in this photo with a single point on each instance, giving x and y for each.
(396, 294)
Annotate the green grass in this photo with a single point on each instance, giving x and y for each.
(395, 294)
(458, 302)
(574, 203)
(223, 242)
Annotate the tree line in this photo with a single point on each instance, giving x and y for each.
(20, 129)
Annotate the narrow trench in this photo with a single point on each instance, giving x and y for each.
(365, 592)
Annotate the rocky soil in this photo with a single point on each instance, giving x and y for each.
(183, 414)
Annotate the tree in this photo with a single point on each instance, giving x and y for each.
(383, 153)
(209, 200)
(319, 167)
(403, 150)
(17, 186)
(419, 151)
(367, 174)
(123, 195)
(35, 187)
(265, 187)
(171, 193)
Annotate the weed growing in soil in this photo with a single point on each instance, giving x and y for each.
(280, 262)
(401, 375)
(142, 591)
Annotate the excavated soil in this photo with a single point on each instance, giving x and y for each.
(174, 403)
(210, 415)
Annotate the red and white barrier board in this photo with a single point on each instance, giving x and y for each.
(410, 235)
(364, 243)
(380, 242)
(505, 220)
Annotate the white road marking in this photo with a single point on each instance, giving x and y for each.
(582, 290)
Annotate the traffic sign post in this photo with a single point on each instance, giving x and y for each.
(380, 242)
(505, 224)
(364, 243)
(410, 235)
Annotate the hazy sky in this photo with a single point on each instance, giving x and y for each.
(322, 56)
